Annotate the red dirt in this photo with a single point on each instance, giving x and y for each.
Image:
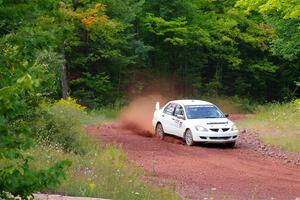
(143, 108)
(200, 172)
(210, 171)
(238, 117)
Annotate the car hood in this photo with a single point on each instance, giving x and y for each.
(212, 122)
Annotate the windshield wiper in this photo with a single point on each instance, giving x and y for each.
(211, 117)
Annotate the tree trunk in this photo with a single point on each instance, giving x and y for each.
(64, 82)
(75, 4)
(219, 76)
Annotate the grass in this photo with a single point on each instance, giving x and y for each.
(104, 172)
(104, 114)
(100, 171)
(97, 170)
(277, 124)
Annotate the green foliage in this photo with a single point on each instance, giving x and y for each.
(23, 181)
(297, 101)
(283, 18)
(12, 108)
(19, 179)
(42, 67)
(289, 9)
(93, 90)
(29, 73)
(286, 42)
(211, 46)
(61, 124)
(176, 32)
(227, 48)
(245, 48)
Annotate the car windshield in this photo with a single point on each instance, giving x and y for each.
(203, 111)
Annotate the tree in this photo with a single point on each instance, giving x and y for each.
(28, 74)
(284, 19)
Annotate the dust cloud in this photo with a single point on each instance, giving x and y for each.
(137, 116)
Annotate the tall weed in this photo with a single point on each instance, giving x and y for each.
(277, 124)
(60, 124)
(104, 173)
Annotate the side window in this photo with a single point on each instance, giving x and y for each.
(179, 110)
(170, 109)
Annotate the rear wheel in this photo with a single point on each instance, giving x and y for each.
(159, 131)
(188, 137)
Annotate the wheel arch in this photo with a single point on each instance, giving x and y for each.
(158, 122)
(185, 132)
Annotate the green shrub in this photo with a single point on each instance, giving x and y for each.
(23, 180)
(17, 178)
(61, 124)
(93, 90)
(296, 101)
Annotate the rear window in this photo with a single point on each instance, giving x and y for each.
(169, 109)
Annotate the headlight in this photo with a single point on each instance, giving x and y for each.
(200, 128)
(234, 128)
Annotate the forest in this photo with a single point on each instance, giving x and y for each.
(103, 52)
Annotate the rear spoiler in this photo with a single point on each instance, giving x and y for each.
(157, 106)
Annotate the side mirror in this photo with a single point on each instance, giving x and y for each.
(180, 117)
(157, 106)
(226, 115)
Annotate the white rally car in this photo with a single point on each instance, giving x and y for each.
(194, 121)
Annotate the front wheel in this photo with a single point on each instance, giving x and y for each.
(189, 138)
(159, 131)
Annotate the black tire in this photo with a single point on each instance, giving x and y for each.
(188, 137)
(230, 144)
(159, 131)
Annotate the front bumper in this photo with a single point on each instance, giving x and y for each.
(213, 137)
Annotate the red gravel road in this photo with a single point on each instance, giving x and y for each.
(210, 171)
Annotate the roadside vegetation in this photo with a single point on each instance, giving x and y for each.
(103, 172)
(96, 170)
(277, 124)
(106, 52)
(232, 104)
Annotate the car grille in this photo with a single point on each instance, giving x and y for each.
(219, 138)
(212, 123)
(217, 130)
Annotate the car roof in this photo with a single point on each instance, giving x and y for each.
(189, 102)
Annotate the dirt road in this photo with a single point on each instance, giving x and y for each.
(207, 172)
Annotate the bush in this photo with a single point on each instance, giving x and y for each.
(296, 102)
(93, 90)
(17, 178)
(61, 124)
